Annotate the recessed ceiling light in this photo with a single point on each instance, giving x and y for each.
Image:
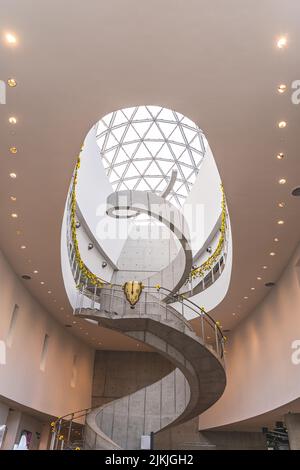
(282, 42)
(13, 198)
(49, 292)
(14, 215)
(252, 288)
(234, 314)
(282, 181)
(12, 120)
(42, 282)
(23, 247)
(12, 82)
(11, 38)
(281, 88)
(246, 298)
(280, 156)
(258, 278)
(35, 271)
(13, 175)
(54, 300)
(276, 239)
(74, 322)
(13, 150)
(280, 222)
(62, 308)
(281, 204)
(265, 267)
(272, 253)
(282, 124)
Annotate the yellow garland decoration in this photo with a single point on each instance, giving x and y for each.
(209, 263)
(95, 280)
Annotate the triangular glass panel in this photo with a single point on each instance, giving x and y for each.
(142, 186)
(121, 168)
(142, 114)
(109, 155)
(154, 147)
(131, 171)
(112, 142)
(154, 111)
(177, 149)
(189, 134)
(141, 165)
(165, 166)
(185, 158)
(128, 112)
(166, 128)
(197, 157)
(107, 119)
(166, 115)
(165, 153)
(130, 183)
(153, 169)
(118, 132)
(101, 128)
(120, 118)
(113, 177)
(179, 116)
(129, 149)
(130, 135)
(161, 186)
(121, 156)
(154, 133)
(195, 144)
(141, 128)
(186, 171)
(143, 152)
(176, 136)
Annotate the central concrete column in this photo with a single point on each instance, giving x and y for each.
(292, 421)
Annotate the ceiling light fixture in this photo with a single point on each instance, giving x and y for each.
(234, 314)
(280, 156)
(258, 278)
(23, 247)
(281, 88)
(12, 82)
(12, 120)
(11, 38)
(282, 124)
(276, 240)
(281, 204)
(35, 271)
(265, 267)
(49, 292)
(282, 42)
(13, 150)
(14, 215)
(280, 222)
(246, 298)
(272, 253)
(252, 288)
(42, 282)
(13, 198)
(282, 181)
(12, 175)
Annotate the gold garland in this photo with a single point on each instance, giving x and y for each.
(95, 280)
(210, 262)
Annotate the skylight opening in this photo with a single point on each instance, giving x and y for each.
(140, 146)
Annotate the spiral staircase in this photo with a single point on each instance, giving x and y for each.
(198, 379)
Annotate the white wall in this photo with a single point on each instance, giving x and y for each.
(202, 207)
(93, 187)
(21, 379)
(261, 375)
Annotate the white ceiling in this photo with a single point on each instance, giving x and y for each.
(216, 62)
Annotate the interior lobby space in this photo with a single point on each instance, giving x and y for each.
(150, 225)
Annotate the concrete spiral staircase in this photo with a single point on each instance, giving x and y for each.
(198, 379)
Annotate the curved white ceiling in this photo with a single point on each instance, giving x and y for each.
(140, 146)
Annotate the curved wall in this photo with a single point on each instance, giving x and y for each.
(27, 376)
(261, 375)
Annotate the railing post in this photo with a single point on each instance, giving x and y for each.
(217, 340)
(70, 429)
(202, 327)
